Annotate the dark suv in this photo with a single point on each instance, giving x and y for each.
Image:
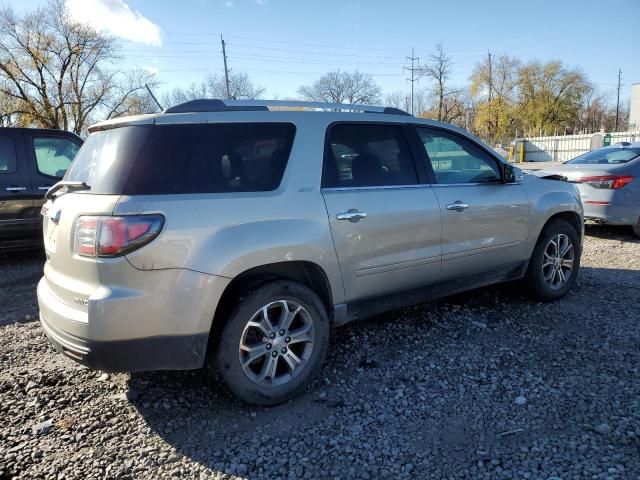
(31, 161)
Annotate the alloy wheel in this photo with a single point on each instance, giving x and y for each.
(276, 343)
(557, 261)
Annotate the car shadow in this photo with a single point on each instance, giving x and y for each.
(623, 233)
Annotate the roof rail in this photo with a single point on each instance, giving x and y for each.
(216, 105)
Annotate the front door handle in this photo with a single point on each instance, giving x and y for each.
(16, 189)
(352, 215)
(45, 187)
(458, 206)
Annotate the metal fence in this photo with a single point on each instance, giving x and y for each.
(561, 148)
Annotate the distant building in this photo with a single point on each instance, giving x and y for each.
(634, 109)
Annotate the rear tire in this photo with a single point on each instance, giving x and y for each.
(636, 229)
(555, 262)
(273, 344)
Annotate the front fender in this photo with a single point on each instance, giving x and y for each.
(546, 204)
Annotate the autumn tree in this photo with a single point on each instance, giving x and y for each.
(550, 96)
(494, 86)
(58, 73)
(343, 87)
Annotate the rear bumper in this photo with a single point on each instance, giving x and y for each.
(611, 214)
(163, 324)
(182, 352)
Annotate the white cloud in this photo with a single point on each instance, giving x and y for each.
(229, 4)
(116, 18)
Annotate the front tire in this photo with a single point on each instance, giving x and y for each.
(273, 344)
(636, 229)
(555, 262)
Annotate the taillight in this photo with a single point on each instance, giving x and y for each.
(612, 182)
(105, 236)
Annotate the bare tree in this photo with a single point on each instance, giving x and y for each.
(342, 87)
(213, 86)
(438, 70)
(397, 99)
(54, 72)
(240, 87)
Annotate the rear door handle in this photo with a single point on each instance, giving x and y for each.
(16, 189)
(45, 187)
(457, 206)
(352, 215)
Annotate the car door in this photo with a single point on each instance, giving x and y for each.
(16, 223)
(49, 156)
(484, 220)
(385, 224)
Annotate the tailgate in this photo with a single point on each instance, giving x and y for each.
(71, 277)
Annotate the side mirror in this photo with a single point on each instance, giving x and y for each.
(511, 174)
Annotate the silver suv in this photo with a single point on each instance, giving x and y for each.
(236, 234)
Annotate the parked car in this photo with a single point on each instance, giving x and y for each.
(609, 182)
(31, 161)
(225, 234)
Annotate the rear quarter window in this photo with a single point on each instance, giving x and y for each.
(186, 158)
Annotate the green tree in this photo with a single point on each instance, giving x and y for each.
(551, 96)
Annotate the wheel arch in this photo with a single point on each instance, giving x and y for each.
(570, 217)
(307, 273)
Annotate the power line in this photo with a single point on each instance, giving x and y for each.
(464, 52)
(413, 69)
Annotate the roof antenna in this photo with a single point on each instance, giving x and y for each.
(154, 97)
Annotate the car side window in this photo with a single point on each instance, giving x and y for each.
(457, 160)
(367, 155)
(8, 161)
(54, 155)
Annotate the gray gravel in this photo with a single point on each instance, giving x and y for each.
(482, 385)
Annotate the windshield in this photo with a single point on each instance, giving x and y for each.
(607, 156)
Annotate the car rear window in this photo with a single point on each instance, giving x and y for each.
(185, 158)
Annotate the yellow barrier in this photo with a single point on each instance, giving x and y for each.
(521, 152)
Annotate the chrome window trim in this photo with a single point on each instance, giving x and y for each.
(377, 187)
(419, 185)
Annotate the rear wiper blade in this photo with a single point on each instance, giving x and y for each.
(68, 185)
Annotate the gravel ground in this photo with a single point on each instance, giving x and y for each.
(482, 385)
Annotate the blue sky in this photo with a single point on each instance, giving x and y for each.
(282, 44)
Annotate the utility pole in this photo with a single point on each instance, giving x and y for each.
(226, 70)
(618, 100)
(490, 76)
(413, 69)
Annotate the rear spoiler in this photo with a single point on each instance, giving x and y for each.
(148, 119)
